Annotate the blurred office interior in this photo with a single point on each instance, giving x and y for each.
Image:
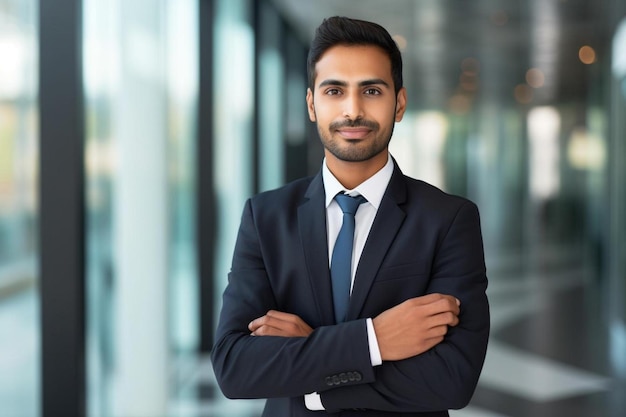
(131, 133)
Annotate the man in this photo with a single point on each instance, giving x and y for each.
(405, 332)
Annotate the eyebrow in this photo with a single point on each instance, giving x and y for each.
(364, 83)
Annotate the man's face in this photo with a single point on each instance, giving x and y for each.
(354, 103)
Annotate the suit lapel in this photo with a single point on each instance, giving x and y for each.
(387, 222)
(312, 226)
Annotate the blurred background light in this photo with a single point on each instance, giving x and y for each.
(523, 93)
(400, 41)
(544, 128)
(535, 78)
(587, 55)
(585, 150)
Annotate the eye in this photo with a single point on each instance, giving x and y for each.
(332, 92)
(372, 92)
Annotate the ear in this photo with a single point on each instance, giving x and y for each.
(309, 105)
(400, 104)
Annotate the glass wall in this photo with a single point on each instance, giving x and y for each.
(616, 254)
(141, 71)
(19, 304)
(234, 146)
(271, 99)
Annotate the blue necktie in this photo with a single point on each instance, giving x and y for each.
(341, 262)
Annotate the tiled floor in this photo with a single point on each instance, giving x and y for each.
(549, 353)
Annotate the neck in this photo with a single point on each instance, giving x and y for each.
(352, 174)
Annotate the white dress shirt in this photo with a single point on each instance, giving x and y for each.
(373, 190)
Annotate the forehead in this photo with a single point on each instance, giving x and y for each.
(353, 63)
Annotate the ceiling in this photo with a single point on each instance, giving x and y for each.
(503, 39)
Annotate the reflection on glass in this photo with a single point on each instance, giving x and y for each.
(233, 115)
(418, 144)
(140, 65)
(544, 128)
(233, 144)
(19, 304)
(619, 56)
(271, 103)
(617, 247)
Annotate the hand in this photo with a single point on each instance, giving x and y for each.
(415, 326)
(277, 323)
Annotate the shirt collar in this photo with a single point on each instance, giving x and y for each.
(372, 189)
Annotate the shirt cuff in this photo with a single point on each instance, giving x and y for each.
(313, 402)
(373, 344)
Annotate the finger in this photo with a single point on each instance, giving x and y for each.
(291, 323)
(253, 324)
(272, 316)
(426, 299)
(272, 326)
(442, 305)
(258, 322)
(278, 314)
(287, 324)
(281, 315)
(435, 298)
(444, 319)
(454, 302)
(268, 331)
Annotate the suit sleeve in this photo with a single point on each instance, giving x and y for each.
(444, 377)
(265, 366)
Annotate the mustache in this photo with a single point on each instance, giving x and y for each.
(370, 124)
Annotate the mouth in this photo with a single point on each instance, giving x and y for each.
(354, 132)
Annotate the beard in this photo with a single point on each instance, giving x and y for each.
(357, 150)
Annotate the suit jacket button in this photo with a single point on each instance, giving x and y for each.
(336, 380)
(357, 376)
(329, 381)
(351, 376)
(343, 377)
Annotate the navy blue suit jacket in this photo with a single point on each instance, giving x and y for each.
(422, 241)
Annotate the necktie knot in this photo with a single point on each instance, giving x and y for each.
(349, 204)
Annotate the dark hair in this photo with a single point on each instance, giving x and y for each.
(339, 30)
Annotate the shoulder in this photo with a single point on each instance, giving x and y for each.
(421, 188)
(418, 193)
(283, 198)
(431, 199)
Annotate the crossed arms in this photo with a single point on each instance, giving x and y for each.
(432, 345)
(406, 330)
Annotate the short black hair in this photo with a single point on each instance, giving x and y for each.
(338, 30)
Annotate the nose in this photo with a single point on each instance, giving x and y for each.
(353, 107)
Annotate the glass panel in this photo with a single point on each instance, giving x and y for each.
(182, 86)
(140, 64)
(233, 164)
(19, 302)
(272, 92)
(233, 115)
(101, 77)
(617, 246)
